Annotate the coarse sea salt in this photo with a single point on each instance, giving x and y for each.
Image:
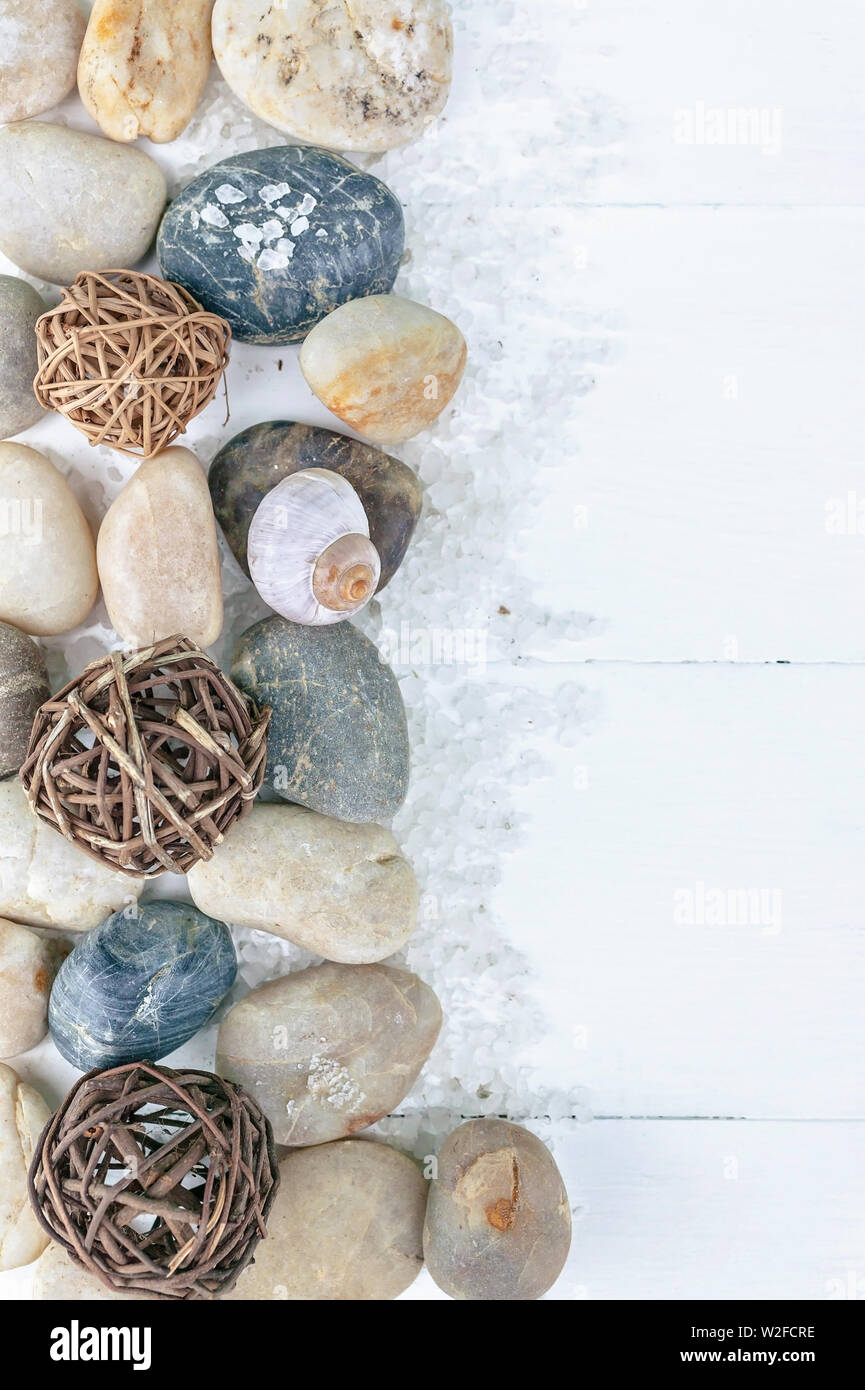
(227, 193)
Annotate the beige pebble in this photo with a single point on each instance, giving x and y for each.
(57, 1277)
(23, 1116)
(39, 43)
(366, 76)
(341, 891)
(144, 64)
(47, 882)
(48, 580)
(346, 1226)
(385, 365)
(29, 960)
(158, 554)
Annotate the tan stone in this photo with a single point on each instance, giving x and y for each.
(346, 1226)
(29, 961)
(39, 45)
(58, 1278)
(23, 1116)
(385, 365)
(144, 64)
(341, 891)
(158, 554)
(48, 580)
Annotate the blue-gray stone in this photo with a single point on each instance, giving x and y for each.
(140, 984)
(338, 741)
(275, 239)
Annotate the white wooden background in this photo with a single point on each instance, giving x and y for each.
(688, 659)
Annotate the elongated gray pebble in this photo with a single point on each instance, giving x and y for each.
(20, 307)
(23, 688)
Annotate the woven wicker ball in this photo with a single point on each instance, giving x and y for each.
(147, 759)
(157, 1181)
(129, 359)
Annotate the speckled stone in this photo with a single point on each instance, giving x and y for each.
(365, 76)
(29, 960)
(23, 688)
(20, 307)
(140, 985)
(498, 1224)
(338, 739)
(23, 1116)
(330, 1050)
(57, 219)
(39, 45)
(275, 239)
(346, 1226)
(258, 458)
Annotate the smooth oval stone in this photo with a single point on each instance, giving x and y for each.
(20, 307)
(29, 961)
(23, 688)
(254, 461)
(330, 1050)
(158, 554)
(57, 1278)
(143, 66)
(23, 1116)
(274, 239)
(57, 219)
(48, 579)
(338, 739)
(47, 882)
(498, 1224)
(342, 891)
(140, 985)
(386, 366)
(39, 46)
(347, 1225)
(364, 76)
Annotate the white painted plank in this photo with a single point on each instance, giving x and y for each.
(715, 506)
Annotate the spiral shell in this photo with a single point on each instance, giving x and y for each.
(309, 552)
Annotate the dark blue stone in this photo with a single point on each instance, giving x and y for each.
(352, 246)
(140, 984)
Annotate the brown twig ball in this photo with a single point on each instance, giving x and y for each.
(159, 1182)
(129, 359)
(147, 759)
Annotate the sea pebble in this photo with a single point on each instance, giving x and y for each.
(23, 688)
(48, 579)
(329, 1050)
(386, 366)
(338, 739)
(28, 963)
(346, 1226)
(158, 554)
(39, 46)
(254, 461)
(342, 891)
(143, 66)
(23, 1116)
(364, 76)
(20, 307)
(140, 985)
(47, 882)
(498, 1224)
(58, 1278)
(255, 256)
(57, 219)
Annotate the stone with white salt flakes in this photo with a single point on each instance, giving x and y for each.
(329, 1050)
(154, 582)
(143, 66)
(47, 882)
(385, 365)
(39, 46)
(57, 219)
(23, 1116)
(368, 76)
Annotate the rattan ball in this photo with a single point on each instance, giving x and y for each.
(147, 759)
(157, 1181)
(129, 359)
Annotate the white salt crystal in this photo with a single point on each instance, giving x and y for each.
(214, 216)
(272, 229)
(299, 226)
(247, 231)
(272, 260)
(307, 205)
(227, 193)
(271, 191)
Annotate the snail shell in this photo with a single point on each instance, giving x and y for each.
(309, 551)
